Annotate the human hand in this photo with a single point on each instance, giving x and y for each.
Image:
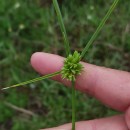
(112, 87)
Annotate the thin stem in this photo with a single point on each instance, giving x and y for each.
(63, 30)
(73, 105)
(102, 23)
(34, 80)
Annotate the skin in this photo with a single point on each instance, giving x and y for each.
(111, 87)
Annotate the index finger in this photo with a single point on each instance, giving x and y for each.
(110, 86)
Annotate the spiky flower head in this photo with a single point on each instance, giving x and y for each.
(72, 67)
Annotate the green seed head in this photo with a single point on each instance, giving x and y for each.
(72, 67)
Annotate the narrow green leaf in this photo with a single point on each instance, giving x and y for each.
(102, 23)
(34, 80)
(73, 105)
(63, 30)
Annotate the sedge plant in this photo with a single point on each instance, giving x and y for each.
(72, 66)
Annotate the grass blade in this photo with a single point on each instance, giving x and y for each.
(102, 23)
(73, 105)
(34, 80)
(63, 30)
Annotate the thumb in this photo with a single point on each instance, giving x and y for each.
(55, 129)
(110, 123)
(127, 117)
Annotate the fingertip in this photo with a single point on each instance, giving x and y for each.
(46, 63)
(34, 58)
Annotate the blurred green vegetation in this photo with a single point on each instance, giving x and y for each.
(30, 26)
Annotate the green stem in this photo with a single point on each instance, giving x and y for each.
(73, 105)
(34, 80)
(102, 23)
(63, 30)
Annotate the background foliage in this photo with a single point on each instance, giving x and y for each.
(30, 26)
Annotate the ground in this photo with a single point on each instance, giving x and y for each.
(30, 26)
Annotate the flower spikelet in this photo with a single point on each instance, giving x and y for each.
(72, 67)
